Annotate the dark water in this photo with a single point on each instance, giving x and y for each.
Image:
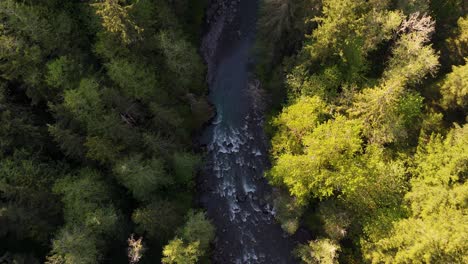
(232, 186)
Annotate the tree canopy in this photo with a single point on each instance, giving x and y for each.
(368, 141)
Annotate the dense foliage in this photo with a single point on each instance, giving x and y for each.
(369, 142)
(98, 103)
(99, 100)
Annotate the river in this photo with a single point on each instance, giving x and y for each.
(232, 186)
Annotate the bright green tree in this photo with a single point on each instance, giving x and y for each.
(178, 252)
(116, 19)
(295, 122)
(436, 229)
(327, 165)
(458, 44)
(320, 251)
(388, 112)
(455, 88)
(412, 58)
(192, 241)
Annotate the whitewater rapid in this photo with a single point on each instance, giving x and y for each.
(232, 186)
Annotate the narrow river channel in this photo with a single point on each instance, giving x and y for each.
(232, 186)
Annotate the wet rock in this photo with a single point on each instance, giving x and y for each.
(241, 197)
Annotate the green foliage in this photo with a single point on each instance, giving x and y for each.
(335, 53)
(18, 129)
(84, 88)
(28, 38)
(136, 80)
(280, 17)
(348, 29)
(443, 161)
(320, 251)
(178, 252)
(84, 102)
(86, 202)
(455, 88)
(384, 186)
(198, 228)
(75, 247)
(192, 240)
(185, 165)
(436, 229)
(412, 6)
(166, 118)
(357, 102)
(62, 73)
(116, 20)
(281, 25)
(101, 149)
(158, 220)
(337, 23)
(142, 177)
(327, 165)
(28, 206)
(387, 112)
(325, 84)
(82, 85)
(288, 212)
(90, 218)
(295, 122)
(458, 44)
(336, 220)
(411, 60)
(182, 60)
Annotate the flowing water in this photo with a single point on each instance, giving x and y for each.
(232, 186)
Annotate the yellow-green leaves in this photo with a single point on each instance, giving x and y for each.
(458, 44)
(295, 122)
(326, 165)
(320, 251)
(455, 88)
(339, 21)
(324, 84)
(411, 60)
(381, 26)
(387, 112)
(443, 161)
(436, 230)
(192, 241)
(116, 20)
(177, 252)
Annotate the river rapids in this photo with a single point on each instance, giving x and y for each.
(232, 185)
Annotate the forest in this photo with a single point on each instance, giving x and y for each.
(369, 141)
(101, 102)
(98, 102)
